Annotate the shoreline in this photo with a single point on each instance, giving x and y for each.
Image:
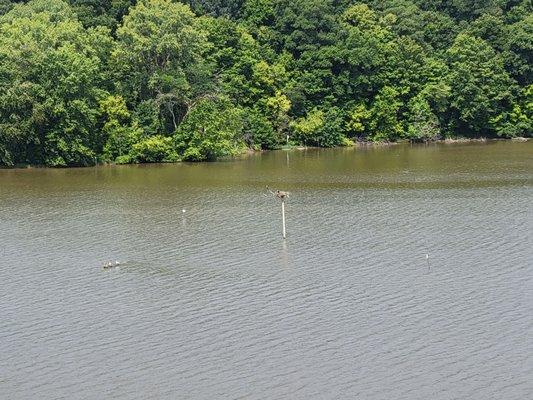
(365, 143)
(248, 151)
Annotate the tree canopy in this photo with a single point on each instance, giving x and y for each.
(165, 80)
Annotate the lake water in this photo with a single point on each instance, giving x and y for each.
(212, 303)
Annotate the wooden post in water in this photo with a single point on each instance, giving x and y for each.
(283, 218)
(282, 196)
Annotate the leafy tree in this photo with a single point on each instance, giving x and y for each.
(101, 12)
(277, 110)
(304, 33)
(213, 129)
(430, 29)
(320, 128)
(490, 28)
(5, 6)
(241, 69)
(480, 87)
(362, 54)
(332, 133)
(159, 59)
(357, 123)
(307, 129)
(423, 123)
(257, 13)
(464, 9)
(303, 25)
(217, 8)
(120, 131)
(52, 75)
(384, 122)
(518, 50)
(161, 80)
(518, 121)
(154, 149)
(258, 132)
(405, 67)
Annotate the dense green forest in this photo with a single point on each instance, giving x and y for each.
(85, 81)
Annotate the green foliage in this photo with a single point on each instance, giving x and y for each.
(358, 118)
(258, 13)
(323, 128)
(423, 123)
(120, 131)
(51, 78)
(218, 8)
(304, 25)
(101, 12)
(519, 120)
(518, 49)
(212, 129)
(307, 129)
(5, 6)
(332, 133)
(384, 122)
(159, 59)
(258, 132)
(160, 80)
(155, 149)
(242, 70)
(363, 54)
(430, 29)
(480, 87)
(277, 110)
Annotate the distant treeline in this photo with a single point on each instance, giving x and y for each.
(85, 81)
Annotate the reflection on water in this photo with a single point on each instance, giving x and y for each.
(212, 303)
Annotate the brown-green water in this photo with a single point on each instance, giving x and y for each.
(213, 304)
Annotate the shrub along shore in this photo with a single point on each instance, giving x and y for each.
(135, 81)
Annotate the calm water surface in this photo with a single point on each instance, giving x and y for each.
(213, 304)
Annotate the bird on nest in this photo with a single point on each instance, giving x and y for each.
(280, 194)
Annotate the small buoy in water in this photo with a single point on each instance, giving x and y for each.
(183, 211)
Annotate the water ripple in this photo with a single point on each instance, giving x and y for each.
(212, 303)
